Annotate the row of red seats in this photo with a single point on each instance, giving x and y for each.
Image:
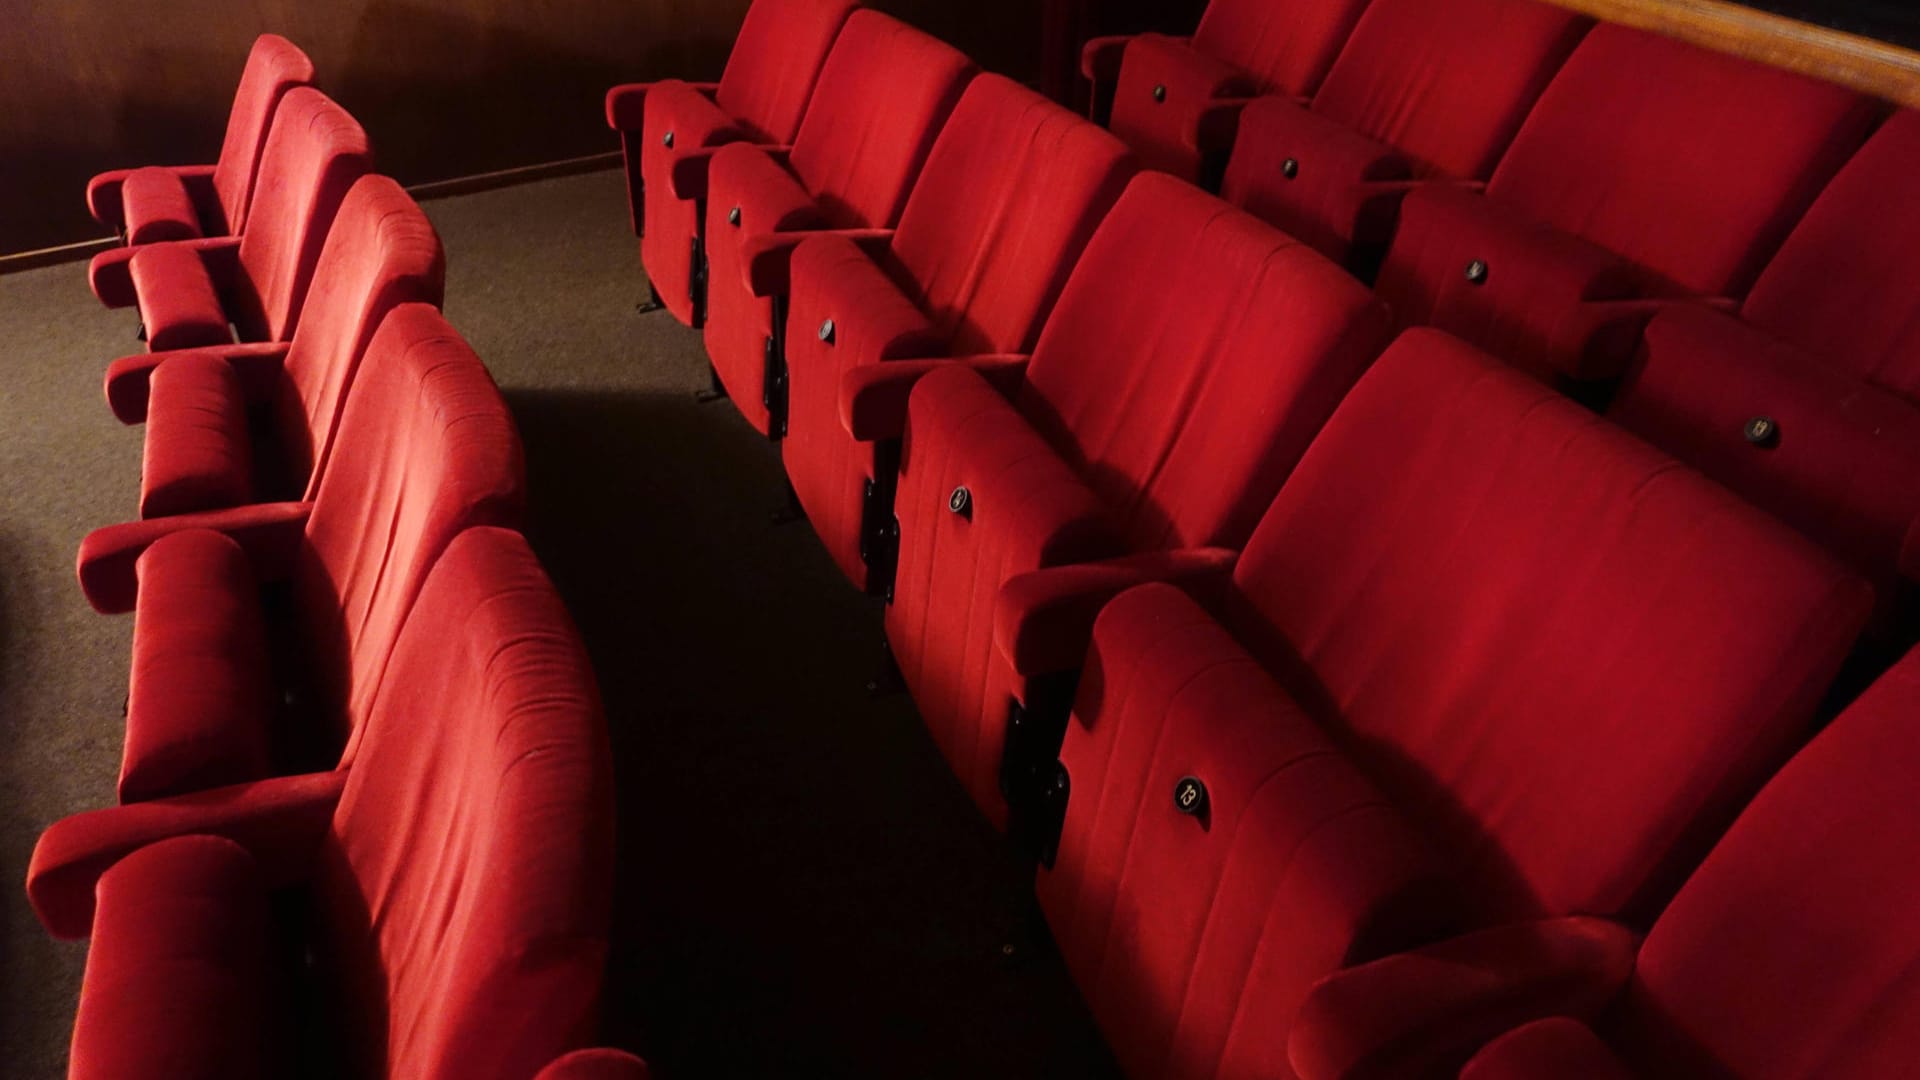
(1702, 246)
(1361, 695)
(366, 812)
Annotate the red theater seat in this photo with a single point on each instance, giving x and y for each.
(426, 449)
(669, 130)
(200, 405)
(1789, 952)
(1487, 666)
(595, 1064)
(180, 202)
(458, 877)
(881, 100)
(1173, 99)
(1422, 92)
(1808, 404)
(189, 291)
(1010, 195)
(1190, 359)
(1650, 169)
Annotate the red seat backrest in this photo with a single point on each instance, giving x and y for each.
(1841, 286)
(881, 99)
(1791, 952)
(274, 66)
(380, 253)
(1448, 84)
(1563, 652)
(1007, 201)
(1287, 44)
(464, 891)
(1193, 355)
(426, 448)
(774, 62)
(314, 153)
(1691, 163)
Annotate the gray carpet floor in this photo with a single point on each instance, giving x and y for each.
(802, 888)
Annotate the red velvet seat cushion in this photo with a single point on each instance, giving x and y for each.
(157, 207)
(177, 976)
(1838, 462)
(179, 305)
(1288, 48)
(1836, 289)
(1447, 86)
(427, 449)
(198, 453)
(464, 892)
(314, 153)
(1195, 938)
(381, 252)
(775, 61)
(200, 695)
(274, 67)
(1790, 951)
(1538, 630)
(678, 111)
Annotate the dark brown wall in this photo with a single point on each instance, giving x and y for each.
(445, 88)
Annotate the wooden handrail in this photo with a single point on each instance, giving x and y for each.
(1866, 64)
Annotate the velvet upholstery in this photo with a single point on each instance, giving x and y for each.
(1009, 197)
(761, 97)
(1166, 86)
(381, 252)
(1627, 147)
(428, 449)
(1421, 92)
(1191, 357)
(314, 153)
(459, 875)
(1788, 952)
(1421, 710)
(179, 202)
(882, 99)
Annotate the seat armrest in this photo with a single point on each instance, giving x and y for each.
(104, 192)
(110, 274)
(1100, 57)
(766, 258)
(873, 397)
(688, 178)
(599, 1063)
(627, 103)
(1043, 621)
(1422, 1012)
(279, 821)
(271, 534)
(258, 364)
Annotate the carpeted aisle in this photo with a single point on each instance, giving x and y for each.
(802, 889)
